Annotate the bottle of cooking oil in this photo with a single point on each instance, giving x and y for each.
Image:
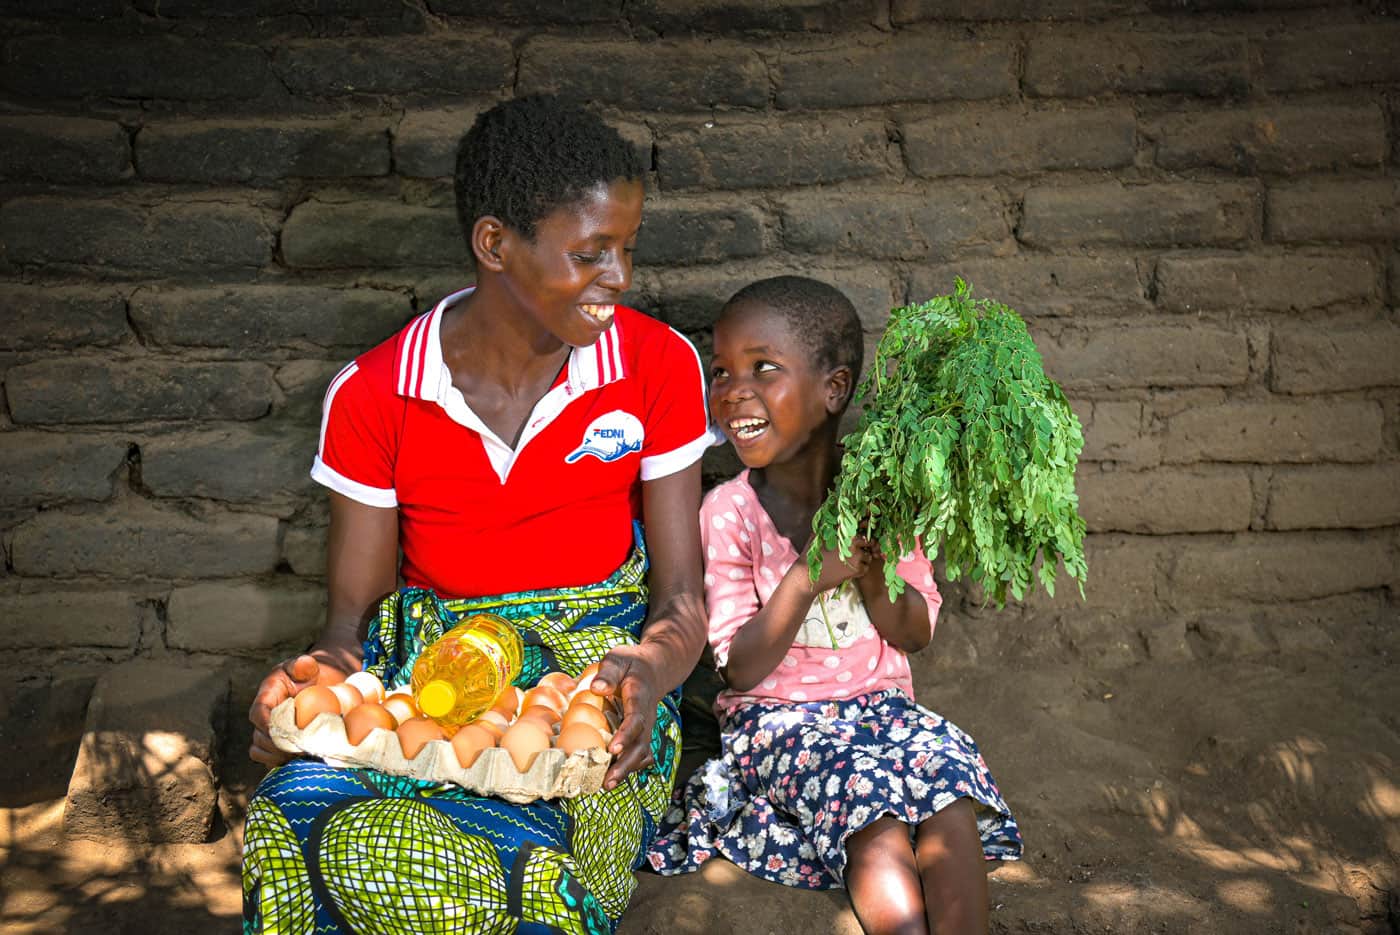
(462, 673)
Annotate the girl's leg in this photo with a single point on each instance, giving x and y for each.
(882, 878)
(949, 855)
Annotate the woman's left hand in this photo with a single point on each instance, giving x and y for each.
(631, 674)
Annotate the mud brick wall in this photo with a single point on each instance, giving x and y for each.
(206, 208)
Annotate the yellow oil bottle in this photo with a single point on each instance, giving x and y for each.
(461, 674)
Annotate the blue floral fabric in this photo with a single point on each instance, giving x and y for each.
(794, 781)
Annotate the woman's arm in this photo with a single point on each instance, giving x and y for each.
(674, 633)
(361, 567)
(905, 622)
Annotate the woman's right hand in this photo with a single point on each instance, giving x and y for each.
(283, 682)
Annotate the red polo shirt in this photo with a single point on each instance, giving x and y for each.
(478, 518)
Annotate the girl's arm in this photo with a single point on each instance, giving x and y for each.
(905, 623)
(361, 567)
(761, 643)
(674, 633)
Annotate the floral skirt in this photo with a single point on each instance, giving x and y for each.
(329, 850)
(794, 781)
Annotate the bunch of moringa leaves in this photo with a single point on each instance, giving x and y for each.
(964, 443)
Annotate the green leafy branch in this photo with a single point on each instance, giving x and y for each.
(964, 445)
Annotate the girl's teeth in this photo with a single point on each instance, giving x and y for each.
(600, 312)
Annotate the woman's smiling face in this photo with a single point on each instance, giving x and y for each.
(579, 263)
(765, 393)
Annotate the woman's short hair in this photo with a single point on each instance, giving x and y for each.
(525, 158)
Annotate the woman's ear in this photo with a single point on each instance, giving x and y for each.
(839, 386)
(487, 234)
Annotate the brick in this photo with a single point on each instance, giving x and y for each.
(145, 765)
(1145, 355)
(938, 223)
(64, 149)
(575, 12)
(303, 384)
(1328, 58)
(177, 68)
(905, 12)
(320, 235)
(1010, 140)
(1284, 139)
(41, 468)
(670, 17)
(1116, 431)
(269, 316)
(752, 155)
(86, 390)
(1281, 282)
(304, 550)
(260, 151)
(1155, 214)
(181, 237)
(245, 616)
(1273, 567)
(142, 539)
(1078, 65)
(1276, 432)
(669, 76)
(240, 464)
(1166, 500)
(859, 75)
(33, 317)
(1335, 209)
(1394, 289)
(425, 142)
(1334, 497)
(75, 9)
(202, 9)
(1041, 286)
(689, 300)
(67, 617)
(424, 64)
(685, 231)
(1309, 359)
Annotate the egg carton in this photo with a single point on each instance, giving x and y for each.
(554, 774)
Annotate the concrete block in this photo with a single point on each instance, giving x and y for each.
(1334, 496)
(425, 141)
(179, 68)
(42, 468)
(1116, 430)
(1014, 141)
(422, 64)
(1276, 432)
(114, 391)
(1145, 355)
(1066, 64)
(683, 17)
(66, 617)
(1271, 282)
(34, 317)
(145, 768)
(1334, 210)
(320, 235)
(245, 616)
(690, 231)
(239, 464)
(64, 149)
(1279, 139)
(732, 155)
(941, 222)
(1309, 359)
(884, 73)
(1340, 56)
(1155, 214)
(665, 75)
(1166, 500)
(262, 150)
(1278, 567)
(1042, 286)
(905, 12)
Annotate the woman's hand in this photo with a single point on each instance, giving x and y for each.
(290, 677)
(630, 674)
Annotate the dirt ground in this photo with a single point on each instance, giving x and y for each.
(1201, 796)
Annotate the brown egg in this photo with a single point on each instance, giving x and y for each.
(349, 696)
(562, 682)
(586, 696)
(365, 718)
(416, 732)
(545, 695)
(314, 700)
(368, 685)
(524, 741)
(587, 714)
(470, 741)
(585, 678)
(494, 720)
(542, 713)
(509, 702)
(578, 736)
(401, 707)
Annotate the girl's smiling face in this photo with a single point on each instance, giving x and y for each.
(765, 392)
(575, 269)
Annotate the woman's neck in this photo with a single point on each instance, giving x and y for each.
(487, 346)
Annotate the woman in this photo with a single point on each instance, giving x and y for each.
(512, 442)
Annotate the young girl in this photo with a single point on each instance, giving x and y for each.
(830, 775)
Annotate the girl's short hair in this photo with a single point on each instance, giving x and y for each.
(525, 158)
(819, 315)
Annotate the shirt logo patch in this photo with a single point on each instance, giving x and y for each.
(609, 437)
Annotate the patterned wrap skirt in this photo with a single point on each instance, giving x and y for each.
(360, 851)
(794, 781)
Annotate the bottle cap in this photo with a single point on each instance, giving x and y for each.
(436, 698)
